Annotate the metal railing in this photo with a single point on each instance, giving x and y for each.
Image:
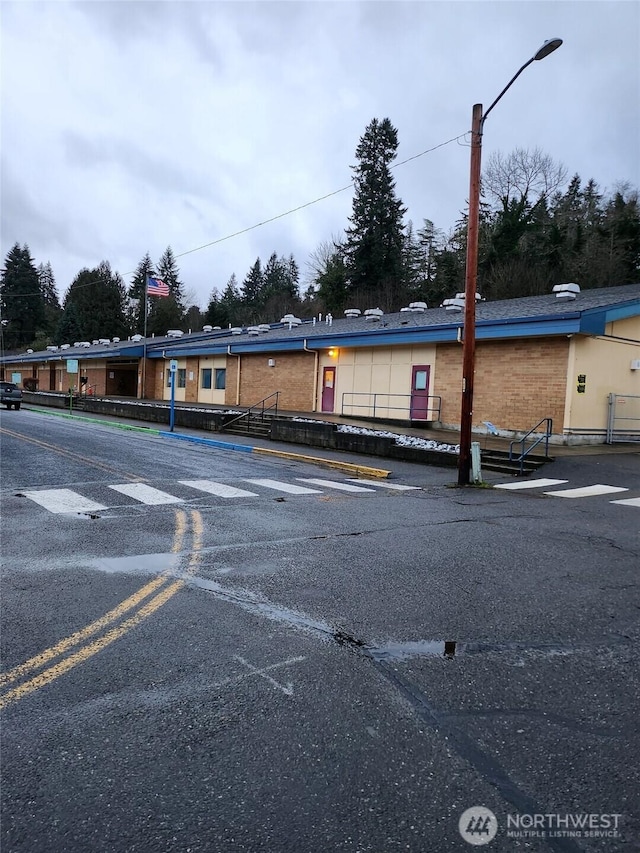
(373, 405)
(256, 412)
(623, 424)
(543, 436)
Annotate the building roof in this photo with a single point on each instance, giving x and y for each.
(528, 316)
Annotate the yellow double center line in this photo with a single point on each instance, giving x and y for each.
(87, 651)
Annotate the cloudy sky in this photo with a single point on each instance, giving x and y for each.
(130, 126)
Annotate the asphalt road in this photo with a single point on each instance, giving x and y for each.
(268, 671)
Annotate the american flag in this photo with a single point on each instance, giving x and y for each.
(157, 287)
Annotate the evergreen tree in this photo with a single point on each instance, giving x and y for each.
(252, 293)
(98, 297)
(22, 306)
(230, 304)
(167, 312)
(137, 294)
(374, 247)
(279, 288)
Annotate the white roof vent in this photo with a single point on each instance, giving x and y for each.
(136, 338)
(116, 340)
(105, 341)
(264, 327)
(253, 330)
(29, 350)
(77, 343)
(85, 344)
(175, 333)
(418, 306)
(455, 305)
(352, 312)
(65, 346)
(373, 314)
(236, 330)
(95, 342)
(405, 310)
(52, 349)
(217, 328)
(207, 328)
(566, 291)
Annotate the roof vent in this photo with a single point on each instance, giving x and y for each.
(566, 291)
(104, 341)
(405, 309)
(116, 340)
(456, 304)
(236, 330)
(52, 349)
(29, 350)
(207, 328)
(136, 338)
(95, 342)
(65, 346)
(217, 328)
(77, 344)
(253, 330)
(175, 333)
(264, 327)
(373, 314)
(418, 306)
(352, 312)
(85, 344)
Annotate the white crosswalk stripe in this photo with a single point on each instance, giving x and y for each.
(221, 490)
(63, 500)
(385, 485)
(587, 491)
(329, 484)
(529, 484)
(628, 502)
(289, 488)
(70, 501)
(146, 494)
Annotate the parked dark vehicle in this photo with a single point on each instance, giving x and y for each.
(10, 395)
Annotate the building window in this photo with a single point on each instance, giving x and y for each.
(221, 378)
(168, 372)
(205, 380)
(182, 377)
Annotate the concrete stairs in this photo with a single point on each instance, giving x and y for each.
(498, 460)
(255, 426)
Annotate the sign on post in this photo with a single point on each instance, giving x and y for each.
(72, 365)
(173, 365)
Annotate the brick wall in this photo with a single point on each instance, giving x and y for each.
(191, 391)
(516, 382)
(292, 375)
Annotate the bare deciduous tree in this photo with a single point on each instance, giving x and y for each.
(522, 175)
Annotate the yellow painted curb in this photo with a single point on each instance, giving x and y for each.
(351, 467)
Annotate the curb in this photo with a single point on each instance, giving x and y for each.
(208, 442)
(146, 430)
(351, 467)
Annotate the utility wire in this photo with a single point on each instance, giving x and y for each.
(279, 215)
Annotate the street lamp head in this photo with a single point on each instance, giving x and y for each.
(548, 47)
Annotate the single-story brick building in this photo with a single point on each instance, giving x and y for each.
(559, 355)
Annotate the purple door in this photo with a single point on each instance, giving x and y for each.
(420, 392)
(328, 388)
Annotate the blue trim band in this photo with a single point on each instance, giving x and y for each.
(208, 442)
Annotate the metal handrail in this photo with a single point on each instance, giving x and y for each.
(544, 436)
(375, 405)
(259, 405)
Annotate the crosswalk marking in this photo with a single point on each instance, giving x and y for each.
(221, 490)
(63, 500)
(385, 485)
(530, 484)
(345, 487)
(146, 494)
(289, 488)
(587, 491)
(627, 502)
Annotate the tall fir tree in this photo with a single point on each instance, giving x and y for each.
(252, 296)
(375, 239)
(137, 294)
(22, 305)
(98, 297)
(167, 312)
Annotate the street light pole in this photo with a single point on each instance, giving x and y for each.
(471, 270)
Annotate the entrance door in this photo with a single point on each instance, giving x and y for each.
(420, 392)
(328, 388)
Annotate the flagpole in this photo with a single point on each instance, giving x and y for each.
(144, 345)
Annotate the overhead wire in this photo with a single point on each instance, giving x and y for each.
(280, 215)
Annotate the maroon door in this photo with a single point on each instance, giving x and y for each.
(328, 388)
(420, 392)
